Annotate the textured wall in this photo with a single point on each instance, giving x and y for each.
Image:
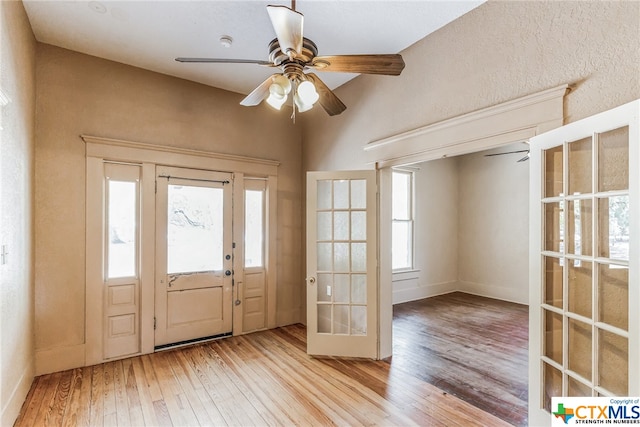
(80, 94)
(436, 242)
(17, 81)
(495, 53)
(493, 225)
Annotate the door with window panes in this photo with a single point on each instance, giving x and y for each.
(194, 262)
(585, 283)
(342, 309)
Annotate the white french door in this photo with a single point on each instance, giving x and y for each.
(585, 259)
(193, 297)
(342, 280)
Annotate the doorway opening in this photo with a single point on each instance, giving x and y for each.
(462, 304)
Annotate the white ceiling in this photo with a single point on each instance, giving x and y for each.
(150, 34)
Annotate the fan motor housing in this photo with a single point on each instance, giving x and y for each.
(278, 57)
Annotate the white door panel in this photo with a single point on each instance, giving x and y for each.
(193, 255)
(342, 274)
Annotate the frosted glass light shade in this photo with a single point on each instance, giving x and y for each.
(305, 96)
(278, 92)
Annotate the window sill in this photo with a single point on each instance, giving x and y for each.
(404, 275)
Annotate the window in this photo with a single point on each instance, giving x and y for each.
(402, 214)
(254, 223)
(122, 220)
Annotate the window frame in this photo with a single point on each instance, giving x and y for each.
(409, 220)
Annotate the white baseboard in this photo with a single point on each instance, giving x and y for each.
(519, 296)
(11, 410)
(420, 292)
(59, 359)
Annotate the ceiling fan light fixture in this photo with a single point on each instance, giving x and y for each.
(307, 93)
(278, 92)
(302, 107)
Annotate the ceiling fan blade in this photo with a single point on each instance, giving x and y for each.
(259, 93)
(225, 61)
(389, 65)
(329, 101)
(507, 152)
(287, 24)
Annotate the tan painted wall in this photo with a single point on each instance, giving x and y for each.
(493, 225)
(495, 53)
(80, 94)
(17, 82)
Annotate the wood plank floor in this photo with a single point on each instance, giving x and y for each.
(266, 378)
(472, 347)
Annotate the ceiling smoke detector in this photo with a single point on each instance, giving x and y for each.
(226, 41)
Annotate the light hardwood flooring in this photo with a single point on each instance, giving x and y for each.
(265, 378)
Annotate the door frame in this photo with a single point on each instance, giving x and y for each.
(100, 150)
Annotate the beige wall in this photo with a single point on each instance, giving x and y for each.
(498, 52)
(471, 228)
(495, 53)
(17, 82)
(493, 225)
(80, 94)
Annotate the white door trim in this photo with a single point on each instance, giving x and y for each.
(99, 150)
(505, 123)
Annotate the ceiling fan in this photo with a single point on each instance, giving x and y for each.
(524, 159)
(293, 54)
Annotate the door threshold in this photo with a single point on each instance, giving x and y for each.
(190, 342)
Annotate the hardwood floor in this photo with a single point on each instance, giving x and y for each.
(266, 378)
(472, 347)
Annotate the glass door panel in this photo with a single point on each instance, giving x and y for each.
(584, 259)
(193, 255)
(341, 264)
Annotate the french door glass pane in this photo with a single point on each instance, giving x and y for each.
(613, 295)
(580, 287)
(325, 287)
(554, 227)
(553, 164)
(122, 221)
(613, 227)
(358, 320)
(324, 226)
(194, 229)
(579, 229)
(613, 160)
(553, 336)
(613, 362)
(341, 226)
(577, 389)
(359, 288)
(553, 281)
(579, 348)
(580, 158)
(552, 385)
(340, 319)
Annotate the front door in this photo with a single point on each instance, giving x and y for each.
(193, 297)
(342, 264)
